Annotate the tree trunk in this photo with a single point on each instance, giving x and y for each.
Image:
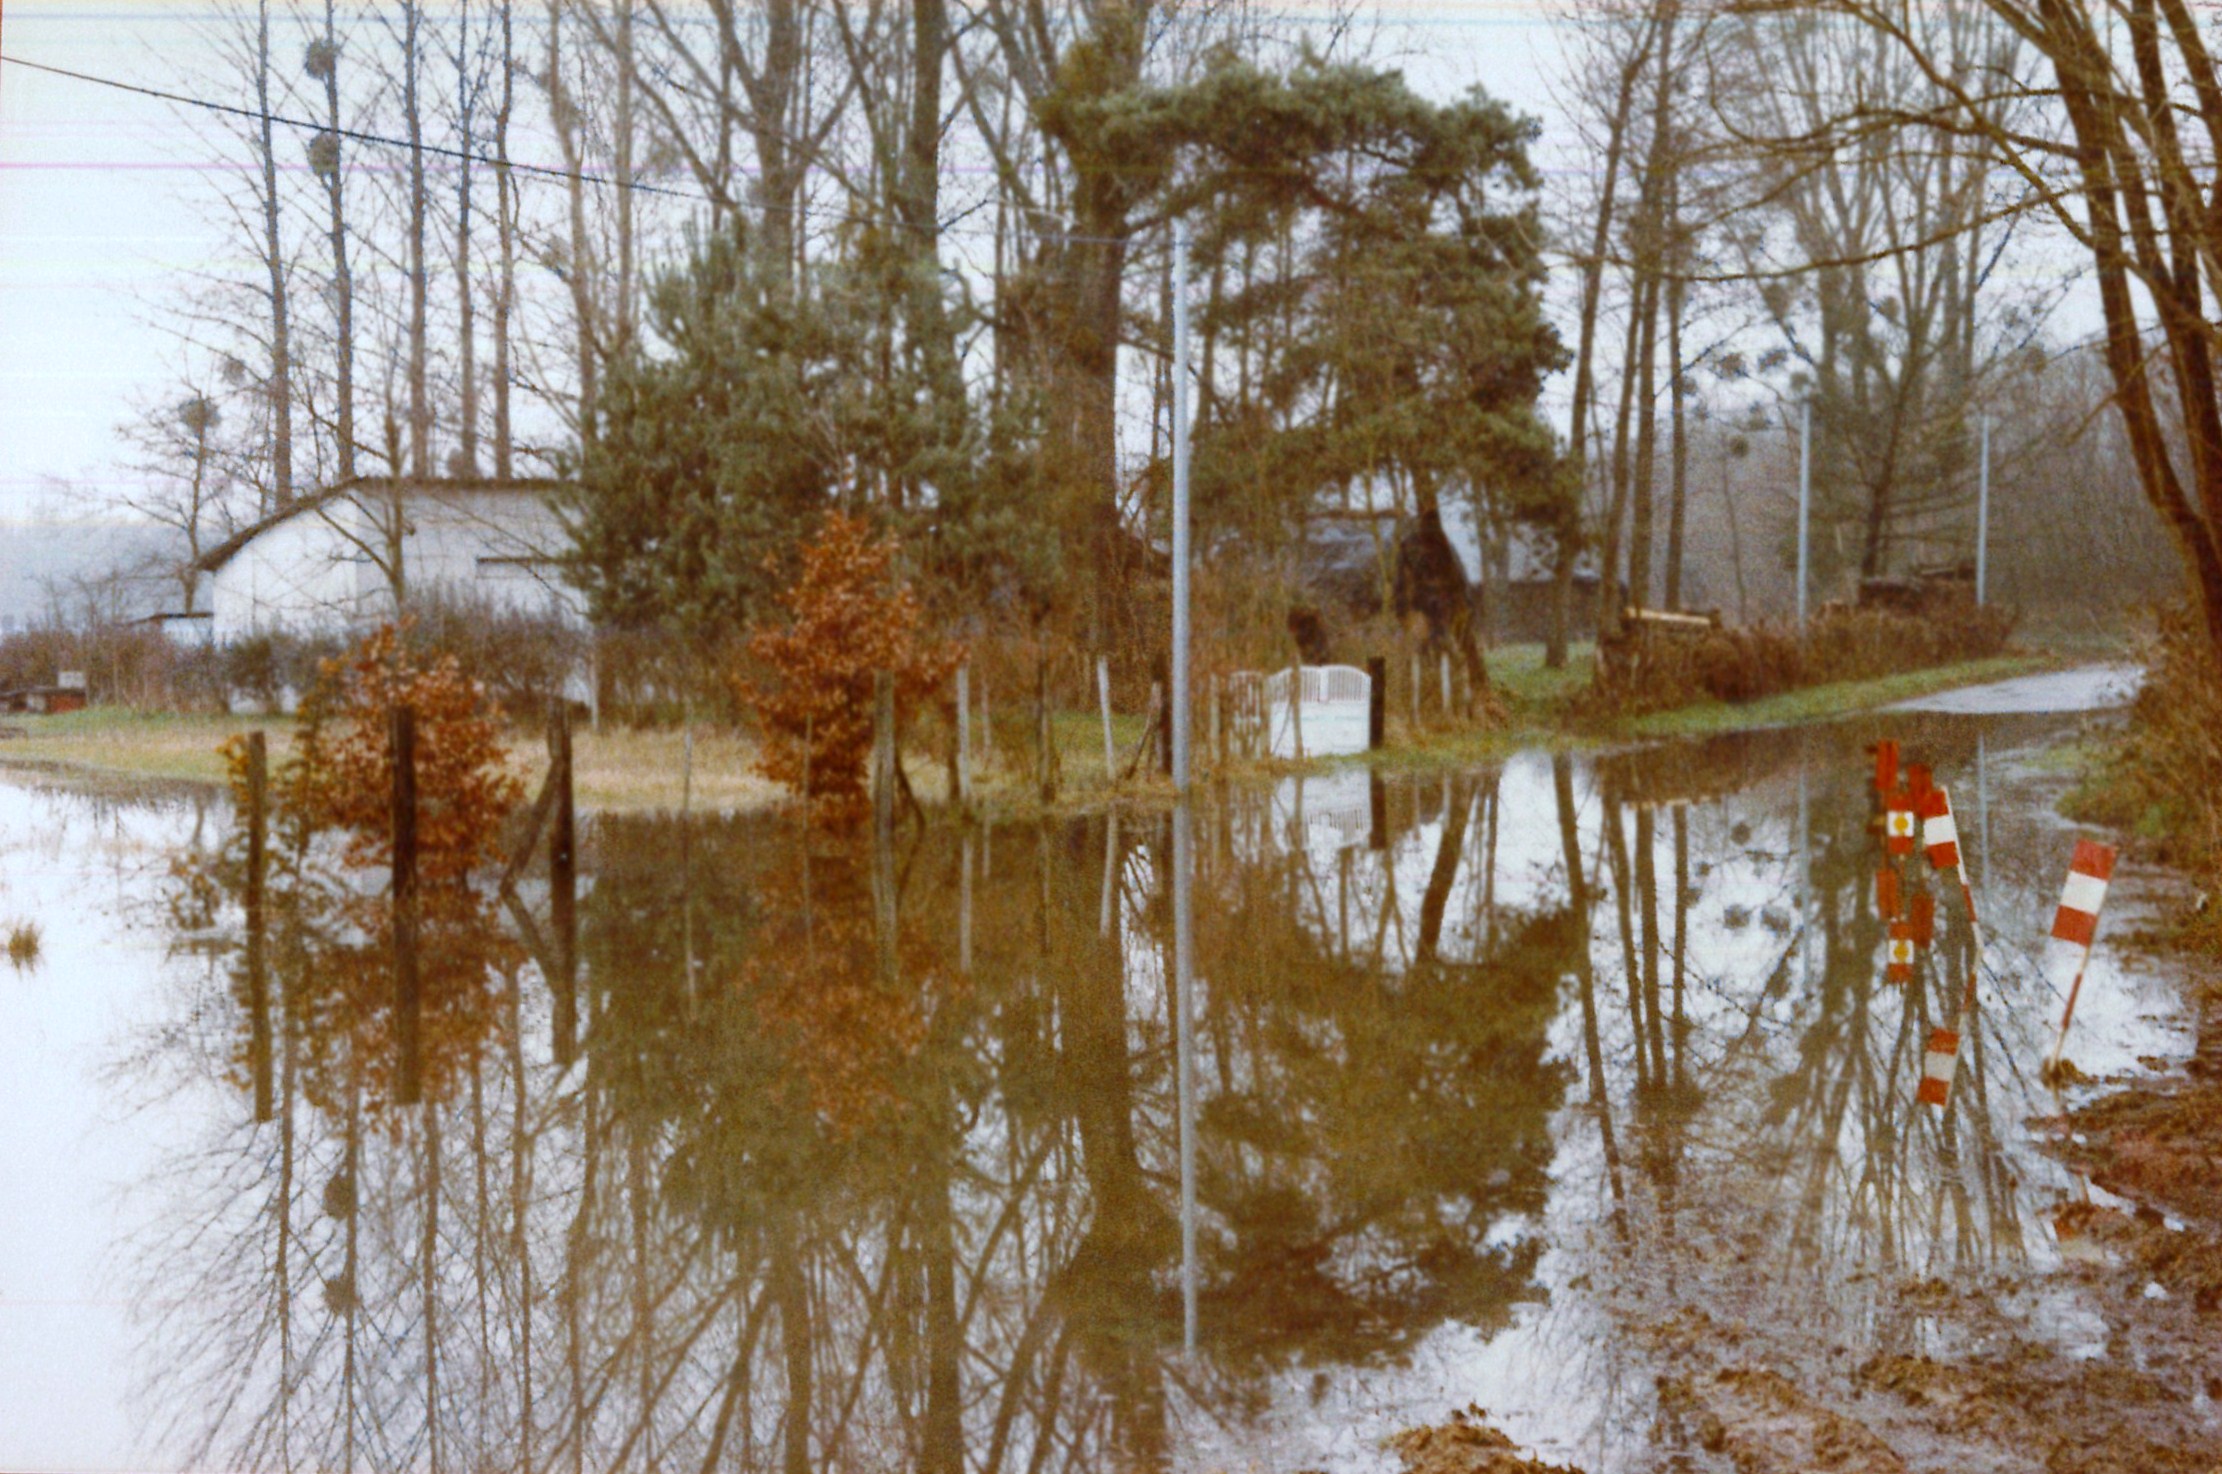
(1642, 533)
(579, 267)
(420, 389)
(1569, 542)
(280, 387)
(1678, 487)
(505, 237)
(1608, 570)
(466, 109)
(343, 281)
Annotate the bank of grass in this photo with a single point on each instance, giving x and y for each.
(1820, 703)
(2161, 782)
(644, 770)
(135, 744)
(616, 769)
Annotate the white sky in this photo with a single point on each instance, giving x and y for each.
(104, 208)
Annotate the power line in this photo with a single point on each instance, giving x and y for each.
(356, 135)
(460, 155)
(544, 171)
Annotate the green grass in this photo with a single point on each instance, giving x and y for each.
(1527, 684)
(625, 770)
(115, 739)
(1819, 703)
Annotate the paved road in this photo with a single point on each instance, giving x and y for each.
(2086, 688)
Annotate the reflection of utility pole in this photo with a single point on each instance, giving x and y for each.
(1184, 987)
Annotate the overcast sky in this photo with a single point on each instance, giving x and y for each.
(104, 208)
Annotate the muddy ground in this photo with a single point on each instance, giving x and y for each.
(1985, 1381)
(2110, 1360)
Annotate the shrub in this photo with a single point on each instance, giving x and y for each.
(520, 660)
(2163, 781)
(328, 906)
(658, 677)
(848, 619)
(1648, 670)
(262, 667)
(123, 665)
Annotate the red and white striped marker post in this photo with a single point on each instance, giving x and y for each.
(1940, 837)
(2076, 922)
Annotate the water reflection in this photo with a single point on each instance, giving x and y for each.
(874, 1159)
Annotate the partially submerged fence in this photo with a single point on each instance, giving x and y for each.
(1300, 712)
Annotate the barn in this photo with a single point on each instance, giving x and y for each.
(325, 565)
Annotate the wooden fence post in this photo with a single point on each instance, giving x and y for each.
(1296, 709)
(883, 753)
(1377, 702)
(258, 973)
(1448, 704)
(1044, 750)
(964, 733)
(408, 1000)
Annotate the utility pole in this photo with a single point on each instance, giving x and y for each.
(1184, 849)
(1983, 518)
(1180, 509)
(1805, 501)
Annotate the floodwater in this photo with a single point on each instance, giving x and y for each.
(827, 1160)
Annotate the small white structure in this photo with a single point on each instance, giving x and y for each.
(324, 566)
(1328, 717)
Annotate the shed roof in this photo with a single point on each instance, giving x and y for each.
(230, 547)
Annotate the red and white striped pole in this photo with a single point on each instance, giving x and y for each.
(2076, 923)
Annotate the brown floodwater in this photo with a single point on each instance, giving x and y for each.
(810, 1157)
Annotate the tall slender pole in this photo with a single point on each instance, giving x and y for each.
(1805, 502)
(1183, 843)
(1180, 508)
(1983, 518)
(1103, 702)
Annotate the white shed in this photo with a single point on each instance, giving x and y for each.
(323, 565)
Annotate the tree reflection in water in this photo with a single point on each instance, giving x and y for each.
(824, 1190)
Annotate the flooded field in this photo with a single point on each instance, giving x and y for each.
(1572, 1091)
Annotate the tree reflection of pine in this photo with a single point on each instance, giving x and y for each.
(812, 1215)
(837, 1204)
